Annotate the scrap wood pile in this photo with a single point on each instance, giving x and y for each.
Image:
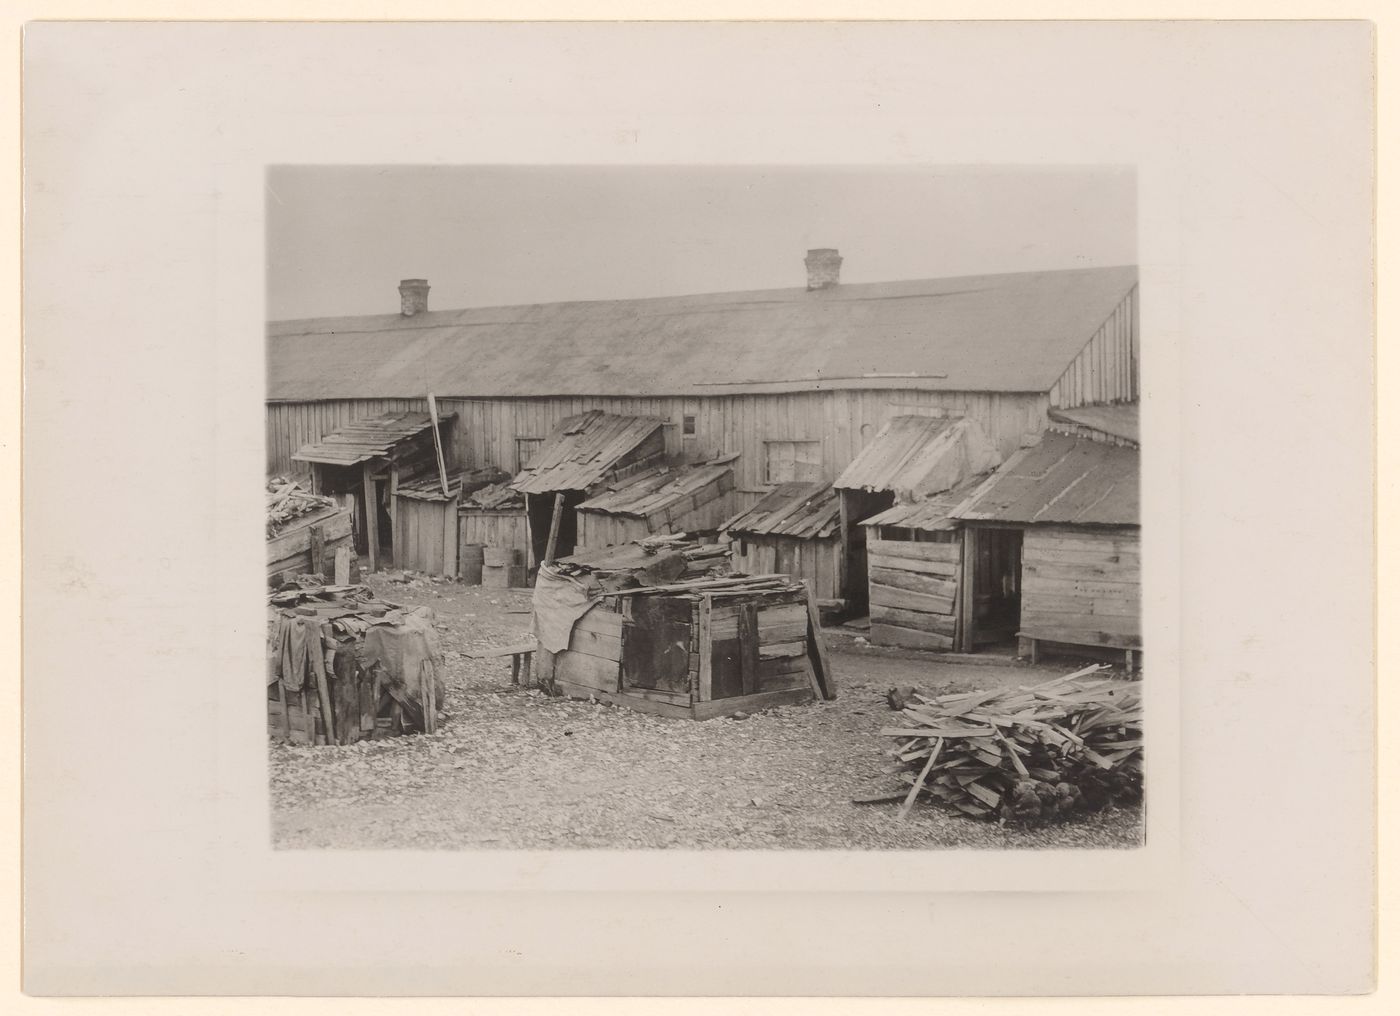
(288, 501)
(497, 496)
(344, 666)
(1026, 755)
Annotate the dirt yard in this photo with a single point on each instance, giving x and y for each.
(514, 768)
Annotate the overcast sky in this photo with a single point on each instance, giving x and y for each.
(341, 238)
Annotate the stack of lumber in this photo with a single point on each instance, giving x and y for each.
(307, 534)
(343, 666)
(288, 501)
(494, 497)
(1024, 755)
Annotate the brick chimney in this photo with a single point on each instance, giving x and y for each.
(823, 268)
(413, 297)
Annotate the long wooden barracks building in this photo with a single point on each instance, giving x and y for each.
(799, 414)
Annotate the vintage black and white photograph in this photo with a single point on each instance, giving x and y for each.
(727, 507)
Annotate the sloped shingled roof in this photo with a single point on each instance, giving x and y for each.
(930, 514)
(801, 510)
(1062, 479)
(1120, 421)
(918, 455)
(1012, 332)
(583, 450)
(658, 489)
(368, 438)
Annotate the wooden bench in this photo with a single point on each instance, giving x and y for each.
(521, 653)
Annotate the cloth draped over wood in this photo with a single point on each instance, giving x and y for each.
(406, 648)
(403, 643)
(559, 601)
(566, 589)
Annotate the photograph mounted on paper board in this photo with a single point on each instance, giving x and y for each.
(687, 507)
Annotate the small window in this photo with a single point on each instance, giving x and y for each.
(788, 461)
(688, 425)
(525, 448)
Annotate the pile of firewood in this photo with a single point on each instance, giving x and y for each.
(288, 501)
(1027, 755)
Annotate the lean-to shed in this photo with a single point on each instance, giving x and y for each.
(1072, 503)
(795, 530)
(915, 570)
(579, 456)
(369, 458)
(667, 499)
(912, 458)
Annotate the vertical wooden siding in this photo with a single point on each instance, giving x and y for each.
(844, 422)
(1106, 370)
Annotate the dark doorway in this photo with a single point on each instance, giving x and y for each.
(540, 508)
(996, 587)
(857, 506)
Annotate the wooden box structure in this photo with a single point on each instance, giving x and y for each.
(795, 530)
(691, 649)
(369, 458)
(911, 460)
(1070, 503)
(304, 532)
(425, 526)
(667, 499)
(915, 573)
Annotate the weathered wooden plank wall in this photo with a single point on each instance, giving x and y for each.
(1107, 368)
(816, 561)
(844, 422)
(1082, 586)
(494, 529)
(914, 593)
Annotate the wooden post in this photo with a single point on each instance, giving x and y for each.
(748, 647)
(317, 537)
(554, 527)
(449, 538)
(323, 690)
(843, 564)
(371, 517)
(437, 444)
(427, 695)
(816, 647)
(342, 566)
(704, 647)
(394, 514)
(967, 595)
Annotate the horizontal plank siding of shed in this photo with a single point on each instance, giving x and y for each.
(1082, 587)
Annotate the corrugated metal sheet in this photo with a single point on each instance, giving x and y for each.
(930, 514)
(365, 439)
(582, 450)
(801, 510)
(1004, 333)
(1119, 421)
(659, 489)
(1062, 479)
(916, 456)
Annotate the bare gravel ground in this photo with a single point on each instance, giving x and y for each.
(514, 768)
